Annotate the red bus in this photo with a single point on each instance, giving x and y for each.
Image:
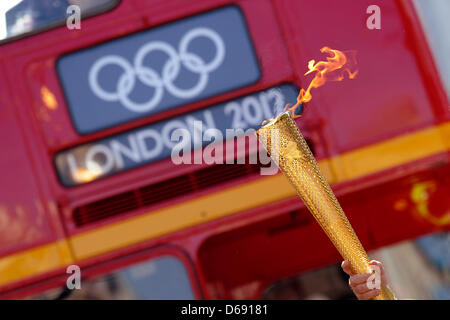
(219, 231)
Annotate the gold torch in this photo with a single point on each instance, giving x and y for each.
(287, 147)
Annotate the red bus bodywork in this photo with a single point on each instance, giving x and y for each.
(381, 139)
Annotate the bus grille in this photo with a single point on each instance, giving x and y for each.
(161, 191)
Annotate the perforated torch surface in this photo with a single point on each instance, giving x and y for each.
(286, 145)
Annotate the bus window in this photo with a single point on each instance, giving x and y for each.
(163, 278)
(19, 17)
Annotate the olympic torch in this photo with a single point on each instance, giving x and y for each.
(287, 147)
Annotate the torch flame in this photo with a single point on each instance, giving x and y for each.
(338, 65)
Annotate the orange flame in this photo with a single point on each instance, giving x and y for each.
(338, 65)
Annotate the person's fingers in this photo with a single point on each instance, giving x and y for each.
(346, 267)
(361, 288)
(369, 295)
(358, 279)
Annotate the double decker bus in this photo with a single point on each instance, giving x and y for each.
(86, 116)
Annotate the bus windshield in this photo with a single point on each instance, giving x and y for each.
(18, 17)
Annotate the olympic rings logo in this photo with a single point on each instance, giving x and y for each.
(151, 78)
